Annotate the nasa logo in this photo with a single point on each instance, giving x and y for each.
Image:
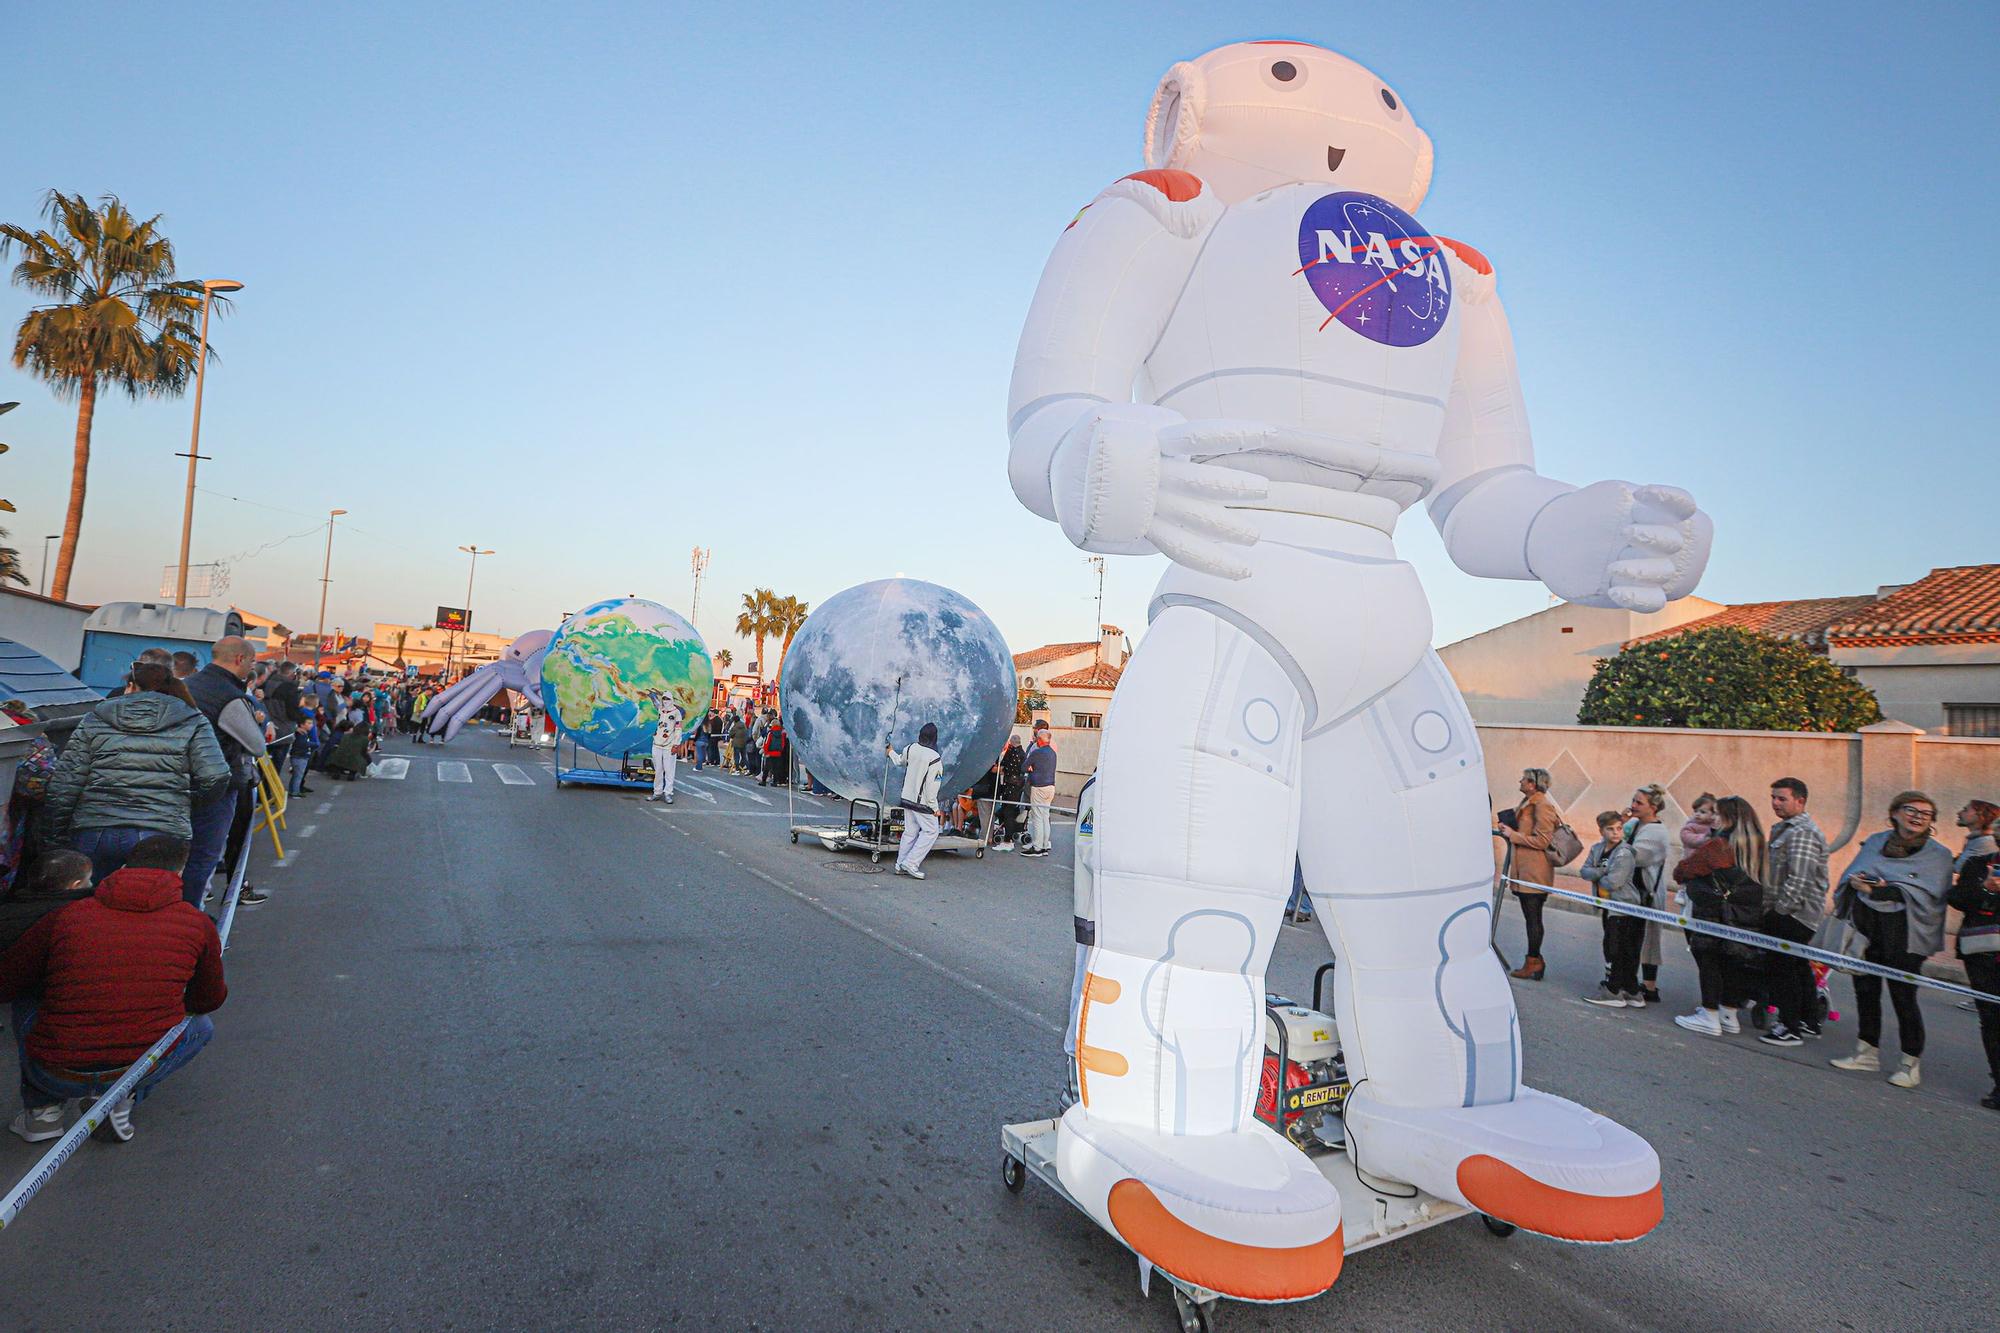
(1374, 268)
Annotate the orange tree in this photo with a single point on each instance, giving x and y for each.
(1725, 678)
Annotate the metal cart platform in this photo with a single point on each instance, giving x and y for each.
(867, 831)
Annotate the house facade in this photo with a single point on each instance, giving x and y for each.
(1074, 679)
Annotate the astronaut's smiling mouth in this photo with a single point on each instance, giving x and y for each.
(1333, 156)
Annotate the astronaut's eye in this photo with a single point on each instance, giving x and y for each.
(1284, 71)
(1388, 99)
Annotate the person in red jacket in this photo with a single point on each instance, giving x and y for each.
(115, 972)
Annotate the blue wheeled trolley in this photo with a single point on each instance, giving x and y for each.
(593, 770)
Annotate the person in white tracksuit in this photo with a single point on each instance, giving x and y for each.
(666, 735)
(920, 799)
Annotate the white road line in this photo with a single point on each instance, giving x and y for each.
(512, 776)
(339, 790)
(325, 808)
(453, 770)
(730, 787)
(395, 768)
(285, 862)
(307, 831)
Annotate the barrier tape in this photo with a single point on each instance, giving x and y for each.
(31, 1184)
(1840, 962)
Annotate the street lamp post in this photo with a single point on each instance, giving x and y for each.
(325, 577)
(208, 290)
(52, 537)
(475, 553)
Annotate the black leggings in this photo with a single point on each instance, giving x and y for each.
(1723, 983)
(1888, 934)
(1788, 979)
(1983, 971)
(1531, 912)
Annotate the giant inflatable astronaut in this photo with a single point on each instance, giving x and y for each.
(1252, 358)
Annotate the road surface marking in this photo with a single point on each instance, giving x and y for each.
(453, 770)
(512, 776)
(308, 831)
(338, 790)
(729, 787)
(395, 768)
(325, 808)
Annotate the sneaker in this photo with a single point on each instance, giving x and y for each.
(1648, 995)
(252, 896)
(1780, 1035)
(1036, 851)
(1003, 846)
(913, 874)
(1991, 1101)
(303, 791)
(39, 1124)
(117, 1126)
(1865, 1060)
(1910, 1075)
(1730, 1023)
(1810, 1031)
(1609, 999)
(669, 800)
(1704, 1021)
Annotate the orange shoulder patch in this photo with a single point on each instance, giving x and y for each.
(1479, 263)
(1177, 186)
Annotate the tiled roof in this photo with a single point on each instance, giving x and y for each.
(1960, 604)
(1098, 675)
(1805, 620)
(1051, 652)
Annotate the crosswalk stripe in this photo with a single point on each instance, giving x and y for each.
(512, 775)
(453, 770)
(395, 768)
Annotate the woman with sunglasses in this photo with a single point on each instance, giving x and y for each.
(1894, 894)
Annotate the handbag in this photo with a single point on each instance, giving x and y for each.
(1564, 845)
(1973, 940)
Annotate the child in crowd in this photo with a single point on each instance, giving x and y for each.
(1609, 869)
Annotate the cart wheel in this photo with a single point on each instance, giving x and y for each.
(1497, 1227)
(1013, 1173)
(795, 839)
(1195, 1318)
(874, 858)
(980, 855)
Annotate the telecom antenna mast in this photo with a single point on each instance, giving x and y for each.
(699, 564)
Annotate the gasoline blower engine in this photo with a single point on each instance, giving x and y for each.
(1305, 1104)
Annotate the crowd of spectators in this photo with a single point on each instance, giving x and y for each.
(112, 846)
(1888, 906)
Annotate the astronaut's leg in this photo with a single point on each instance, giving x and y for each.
(1196, 815)
(1395, 850)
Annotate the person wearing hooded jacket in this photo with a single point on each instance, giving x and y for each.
(137, 765)
(920, 798)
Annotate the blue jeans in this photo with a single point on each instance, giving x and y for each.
(39, 1087)
(1299, 900)
(107, 848)
(211, 836)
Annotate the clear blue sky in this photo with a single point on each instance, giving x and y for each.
(591, 284)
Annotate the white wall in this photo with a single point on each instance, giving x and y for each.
(1534, 670)
(1916, 681)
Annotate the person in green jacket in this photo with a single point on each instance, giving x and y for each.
(135, 766)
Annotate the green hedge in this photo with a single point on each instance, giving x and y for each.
(1726, 678)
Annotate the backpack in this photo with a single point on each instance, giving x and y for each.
(1564, 845)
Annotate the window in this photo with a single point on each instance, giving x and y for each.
(1972, 719)
(1091, 721)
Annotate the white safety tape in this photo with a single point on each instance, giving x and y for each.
(52, 1161)
(1838, 961)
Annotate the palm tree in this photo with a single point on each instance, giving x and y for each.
(723, 658)
(787, 615)
(116, 317)
(10, 560)
(753, 623)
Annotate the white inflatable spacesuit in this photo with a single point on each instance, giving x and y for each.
(1252, 358)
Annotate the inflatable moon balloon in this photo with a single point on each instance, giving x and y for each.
(872, 664)
(1312, 361)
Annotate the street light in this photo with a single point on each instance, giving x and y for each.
(208, 290)
(325, 572)
(475, 553)
(52, 537)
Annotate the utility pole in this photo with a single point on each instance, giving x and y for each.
(208, 290)
(475, 553)
(325, 577)
(700, 567)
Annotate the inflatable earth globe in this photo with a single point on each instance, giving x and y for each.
(602, 669)
(874, 663)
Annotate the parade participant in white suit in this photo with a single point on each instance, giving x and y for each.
(1252, 358)
(920, 798)
(666, 735)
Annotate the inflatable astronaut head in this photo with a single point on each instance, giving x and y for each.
(1253, 115)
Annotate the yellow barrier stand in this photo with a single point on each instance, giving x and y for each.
(275, 799)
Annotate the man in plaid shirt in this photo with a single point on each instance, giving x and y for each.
(1794, 902)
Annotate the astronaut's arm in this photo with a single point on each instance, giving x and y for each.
(1610, 544)
(1104, 299)
(1488, 492)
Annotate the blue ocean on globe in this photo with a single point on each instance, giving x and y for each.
(874, 663)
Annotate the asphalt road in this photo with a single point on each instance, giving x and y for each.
(502, 1057)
